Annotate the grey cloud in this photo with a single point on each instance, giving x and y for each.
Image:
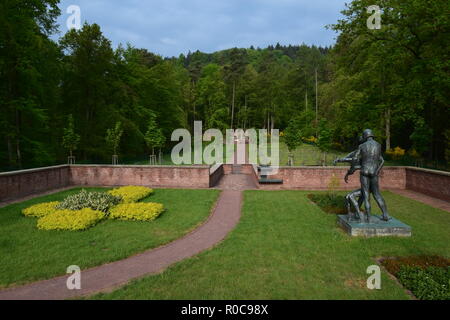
(171, 27)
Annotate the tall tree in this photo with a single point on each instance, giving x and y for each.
(211, 97)
(403, 67)
(233, 72)
(24, 49)
(86, 89)
(70, 139)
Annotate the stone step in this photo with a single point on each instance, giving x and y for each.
(270, 181)
(236, 169)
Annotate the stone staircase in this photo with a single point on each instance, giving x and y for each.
(264, 172)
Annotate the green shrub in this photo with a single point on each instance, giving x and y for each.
(73, 220)
(131, 194)
(147, 211)
(41, 209)
(395, 154)
(329, 202)
(100, 201)
(432, 283)
(394, 264)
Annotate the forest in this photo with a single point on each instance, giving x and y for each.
(70, 96)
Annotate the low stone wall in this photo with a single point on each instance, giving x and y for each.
(430, 182)
(319, 178)
(215, 175)
(252, 170)
(154, 176)
(227, 168)
(18, 184)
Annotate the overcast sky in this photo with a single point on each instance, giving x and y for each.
(171, 27)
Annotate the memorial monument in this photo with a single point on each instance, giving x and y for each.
(368, 159)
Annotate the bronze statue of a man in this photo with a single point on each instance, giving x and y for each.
(371, 161)
(354, 198)
(368, 159)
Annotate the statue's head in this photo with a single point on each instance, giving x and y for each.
(368, 134)
(360, 139)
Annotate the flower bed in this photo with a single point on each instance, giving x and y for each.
(101, 201)
(131, 194)
(137, 211)
(329, 202)
(74, 220)
(41, 209)
(427, 277)
(85, 209)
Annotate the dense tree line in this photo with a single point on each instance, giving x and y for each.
(394, 80)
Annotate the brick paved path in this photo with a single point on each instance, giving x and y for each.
(434, 202)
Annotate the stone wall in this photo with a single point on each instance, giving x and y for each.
(18, 184)
(23, 183)
(430, 182)
(319, 178)
(215, 175)
(154, 176)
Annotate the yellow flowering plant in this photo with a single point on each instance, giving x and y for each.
(84, 210)
(142, 211)
(131, 194)
(396, 153)
(310, 139)
(73, 220)
(40, 210)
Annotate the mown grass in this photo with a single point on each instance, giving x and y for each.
(304, 155)
(308, 155)
(28, 254)
(166, 158)
(286, 247)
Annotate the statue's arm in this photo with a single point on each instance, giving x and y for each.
(347, 158)
(352, 170)
(352, 158)
(381, 165)
(343, 160)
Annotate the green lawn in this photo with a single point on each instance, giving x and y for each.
(285, 247)
(166, 159)
(28, 254)
(309, 155)
(304, 155)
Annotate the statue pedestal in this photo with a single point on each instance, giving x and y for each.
(377, 227)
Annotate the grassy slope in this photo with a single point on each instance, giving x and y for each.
(308, 155)
(28, 254)
(304, 155)
(167, 157)
(285, 247)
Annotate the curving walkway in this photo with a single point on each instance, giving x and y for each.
(107, 277)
